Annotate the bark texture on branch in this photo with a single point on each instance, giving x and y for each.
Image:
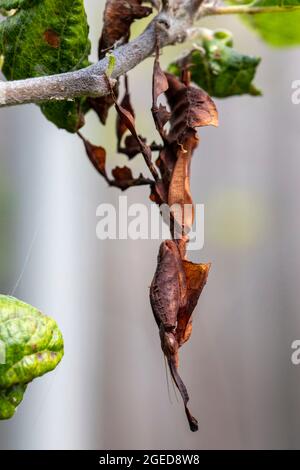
(169, 26)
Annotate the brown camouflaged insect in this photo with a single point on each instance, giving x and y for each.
(174, 292)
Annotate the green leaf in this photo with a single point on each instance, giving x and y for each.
(277, 29)
(218, 68)
(10, 400)
(45, 37)
(12, 4)
(111, 64)
(30, 345)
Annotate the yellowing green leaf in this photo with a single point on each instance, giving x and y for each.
(31, 345)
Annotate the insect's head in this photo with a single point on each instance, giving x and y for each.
(167, 247)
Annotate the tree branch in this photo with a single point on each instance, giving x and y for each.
(244, 9)
(194, 6)
(168, 26)
(171, 25)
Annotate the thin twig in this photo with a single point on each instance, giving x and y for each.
(245, 9)
(125, 184)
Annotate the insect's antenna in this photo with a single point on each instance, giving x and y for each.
(167, 379)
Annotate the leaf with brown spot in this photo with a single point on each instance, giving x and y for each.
(52, 38)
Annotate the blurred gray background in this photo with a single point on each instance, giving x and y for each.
(110, 389)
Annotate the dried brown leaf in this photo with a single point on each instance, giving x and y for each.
(131, 146)
(128, 121)
(191, 107)
(164, 115)
(179, 197)
(121, 125)
(196, 278)
(96, 154)
(117, 19)
(159, 86)
(122, 174)
(124, 179)
(102, 104)
(158, 193)
(160, 82)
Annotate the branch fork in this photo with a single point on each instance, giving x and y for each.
(171, 25)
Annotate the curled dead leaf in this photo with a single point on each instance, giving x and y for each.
(124, 179)
(191, 107)
(121, 125)
(127, 120)
(117, 19)
(96, 154)
(159, 86)
(131, 147)
(122, 173)
(196, 278)
(179, 196)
